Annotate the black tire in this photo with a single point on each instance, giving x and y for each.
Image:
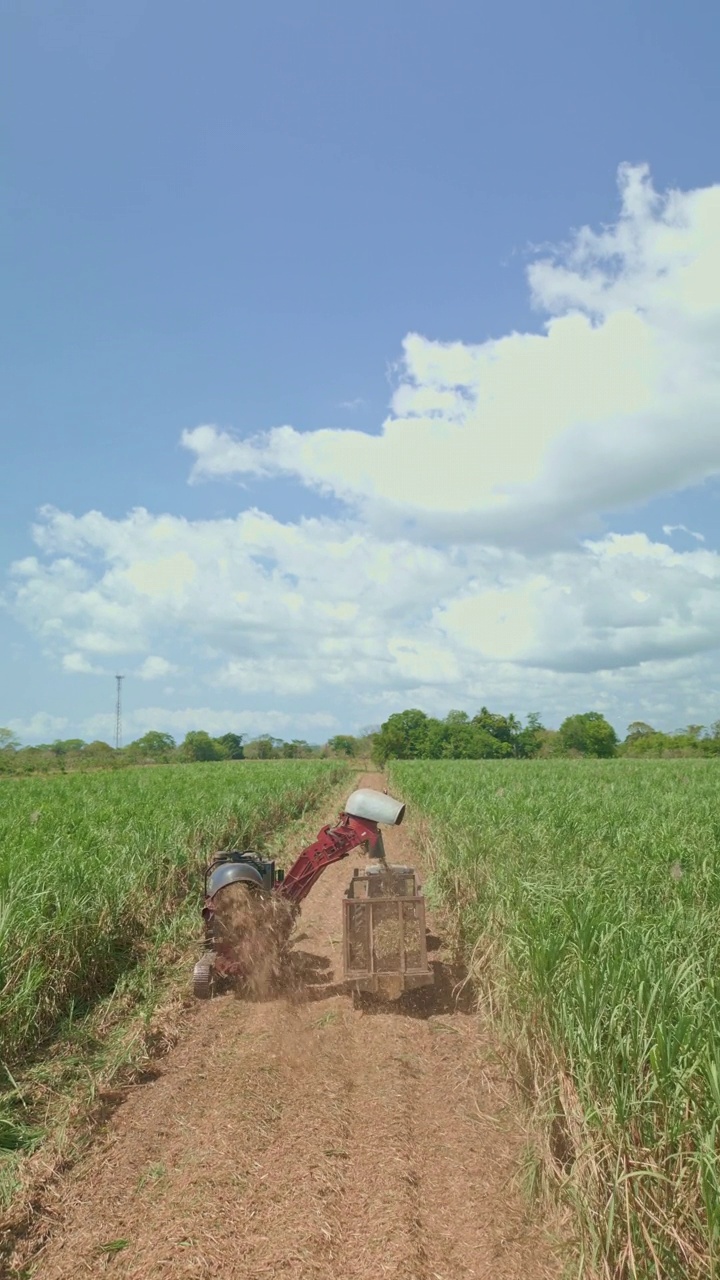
(203, 980)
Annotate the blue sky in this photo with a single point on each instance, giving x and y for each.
(362, 224)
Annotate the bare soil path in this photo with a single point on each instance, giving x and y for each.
(306, 1140)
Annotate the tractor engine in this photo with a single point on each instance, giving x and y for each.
(239, 902)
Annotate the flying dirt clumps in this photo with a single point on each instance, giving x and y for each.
(253, 929)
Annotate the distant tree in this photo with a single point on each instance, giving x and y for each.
(343, 744)
(646, 744)
(412, 734)
(232, 745)
(30, 760)
(296, 749)
(153, 746)
(199, 746)
(590, 734)
(66, 746)
(95, 755)
(264, 747)
(436, 739)
(459, 739)
(401, 737)
(98, 750)
(528, 742)
(504, 728)
(8, 741)
(638, 729)
(522, 742)
(549, 744)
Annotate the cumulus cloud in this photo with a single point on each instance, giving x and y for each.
(323, 614)
(471, 564)
(78, 664)
(181, 720)
(622, 601)
(526, 438)
(156, 668)
(289, 607)
(41, 727)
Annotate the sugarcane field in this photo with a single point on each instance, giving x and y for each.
(491, 1008)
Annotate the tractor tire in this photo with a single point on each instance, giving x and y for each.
(203, 980)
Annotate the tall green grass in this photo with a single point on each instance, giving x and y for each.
(590, 892)
(94, 867)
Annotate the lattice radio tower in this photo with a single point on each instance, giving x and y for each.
(118, 713)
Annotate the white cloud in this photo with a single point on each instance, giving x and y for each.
(268, 675)
(156, 668)
(530, 437)
(620, 601)
(325, 615)
(182, 720)
(456, 576)
(78, 664)
(669, 529)
(285, 608)
(41, 727)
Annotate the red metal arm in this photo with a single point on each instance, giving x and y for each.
(332, 844)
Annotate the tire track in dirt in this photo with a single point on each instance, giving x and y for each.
(302, 1138)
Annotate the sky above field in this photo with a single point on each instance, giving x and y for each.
(358, 357)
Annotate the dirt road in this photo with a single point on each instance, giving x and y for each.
(306, 1140)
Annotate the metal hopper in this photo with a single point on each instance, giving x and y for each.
(384, 946)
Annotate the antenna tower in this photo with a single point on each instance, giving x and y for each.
(118, 713)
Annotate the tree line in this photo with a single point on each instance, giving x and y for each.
(405, 735)
(412, 734)
(72, 754)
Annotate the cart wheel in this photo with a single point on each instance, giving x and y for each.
(203, 981)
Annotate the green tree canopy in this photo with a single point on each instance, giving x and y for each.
(589, 733)
(297, 748)
(98, 750)
(66, 746)
(401, 737)
(232, 745)
(504, 728)
(154, 745)
(198, 745)
(264, 747)
(527, 742)
(408, 735)
(458, 739)
(638, 729)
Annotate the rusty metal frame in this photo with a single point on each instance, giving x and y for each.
(372, 978)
